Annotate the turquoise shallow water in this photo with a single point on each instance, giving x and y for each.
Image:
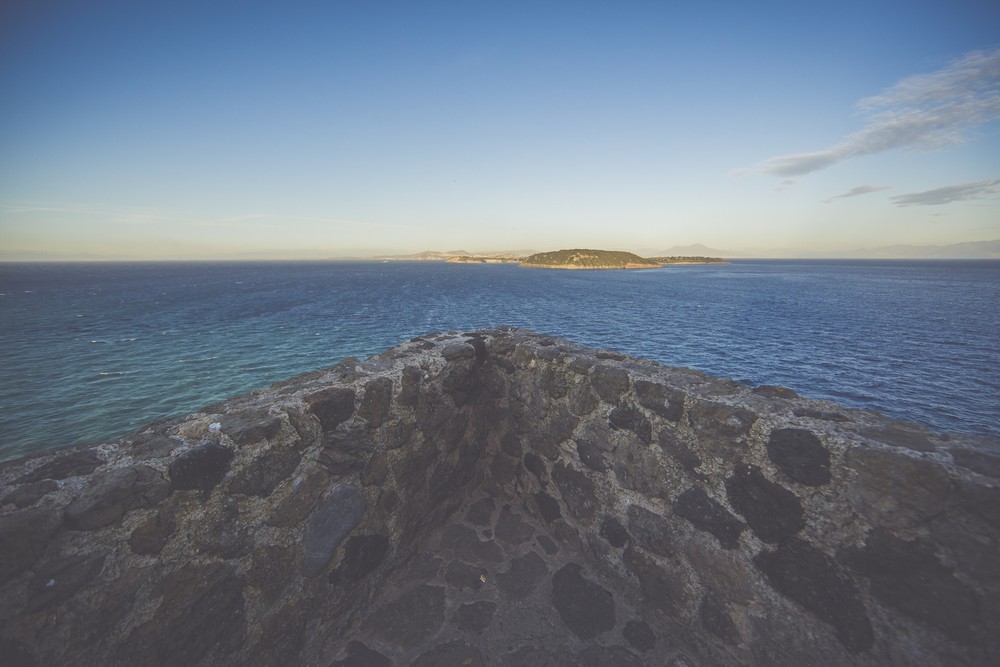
(91, 351)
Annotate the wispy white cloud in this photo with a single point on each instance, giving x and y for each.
(925, 111)
(950, 193)
(858, 191)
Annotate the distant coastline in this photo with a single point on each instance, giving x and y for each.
(571, 259)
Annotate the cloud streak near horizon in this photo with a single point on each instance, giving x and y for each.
(858, 191)
(924, 111)
(949, 194)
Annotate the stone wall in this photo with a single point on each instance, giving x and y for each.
(506, 498)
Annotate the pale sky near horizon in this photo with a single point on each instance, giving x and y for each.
(303, 129)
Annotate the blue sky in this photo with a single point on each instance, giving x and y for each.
(224, 129)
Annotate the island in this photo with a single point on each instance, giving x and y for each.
(607, 259)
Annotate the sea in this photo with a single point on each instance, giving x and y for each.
(92, 351)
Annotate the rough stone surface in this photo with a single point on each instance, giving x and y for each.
(772, 511)
(586, 607)
(336, 515)
(800, 455)
(707, 514)
(501, 497)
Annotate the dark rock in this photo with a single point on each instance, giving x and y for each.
(339, 463)
(61, 578)
(658, 589)
(642, 470)
(907, 576)
(29, 494)
(510, 445)
(824, 415)
(559, 427)
(613, 532)
(533, 656)
(16, 655)
(334, 517)
(577, 491)
(331, 406)
(481, 512)
(534, 464)
(800, 455)
(410, 383)
(462, 575)
(591, 455)
(899, 434)
(362, 556)
(584, 606)
(805, 574)
(668, 403)
(359, 655)
(548, 507)
(772, 511)
(680, 451)
(222, 534)
(147, 446)
(455, 653)
(650, 530)
(108, 497)
(68, 464)
(639, 635)
(475, 616)
(375, 403)
(264, 472)
(410, 619)
(523, 575)
(247, 427)
(23, 537)
(596, 655)
(204, 605)
(377, 471)
(630, 418)
(548, 544)
(609, 382)
(150, 536)
(772, 391)
(609, 355)
(511, 529)
(282, 636)
(705, 513)
(200, 468)
(715, 617)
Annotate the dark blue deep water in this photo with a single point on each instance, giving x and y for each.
(92, 351)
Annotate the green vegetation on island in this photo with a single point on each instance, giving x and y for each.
(607, 259)
(588, 259)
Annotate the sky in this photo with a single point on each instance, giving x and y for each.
(212, 129)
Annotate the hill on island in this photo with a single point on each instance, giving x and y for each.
(578, 258)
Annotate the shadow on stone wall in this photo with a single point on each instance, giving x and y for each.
(503, 497)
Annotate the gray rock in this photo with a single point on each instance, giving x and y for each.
(335, 516)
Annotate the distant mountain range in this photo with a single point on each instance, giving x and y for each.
(970, 250)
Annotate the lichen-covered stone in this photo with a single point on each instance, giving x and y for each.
(587, 608)
(800, 455)
(705, 513)
(773, 512)
(334, 517)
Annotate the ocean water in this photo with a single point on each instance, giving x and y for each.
(91, 351)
